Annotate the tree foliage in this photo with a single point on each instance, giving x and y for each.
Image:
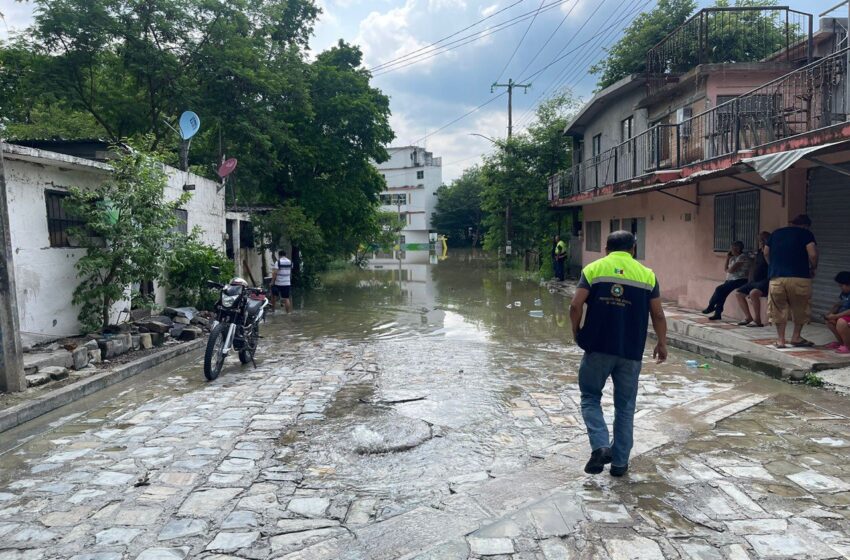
(189, 267)
(127, 232)
(290, 225)
(305, 129)
(458, 214)
(628, 55)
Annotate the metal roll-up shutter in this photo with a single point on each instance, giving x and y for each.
(828, 205)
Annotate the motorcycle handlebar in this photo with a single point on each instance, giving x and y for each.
(216, 285)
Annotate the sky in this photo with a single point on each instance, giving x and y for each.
(551, 50)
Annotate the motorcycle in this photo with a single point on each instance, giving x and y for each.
(239, 311)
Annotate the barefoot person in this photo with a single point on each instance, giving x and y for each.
(792, 258)
(756, 288)
(838, 318)
(621, 295)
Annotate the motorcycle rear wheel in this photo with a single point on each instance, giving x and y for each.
(213, 357)
(246, 355)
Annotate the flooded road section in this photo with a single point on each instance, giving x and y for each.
(419, 410)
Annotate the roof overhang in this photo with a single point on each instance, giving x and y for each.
(53, 159)
(769, 166)
(600, 100)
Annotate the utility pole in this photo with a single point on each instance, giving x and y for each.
(510, 87)
(11, 360)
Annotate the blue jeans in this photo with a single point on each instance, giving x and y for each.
(592, 376)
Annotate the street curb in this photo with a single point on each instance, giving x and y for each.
(24, 412)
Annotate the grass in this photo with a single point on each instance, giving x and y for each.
(813, 380)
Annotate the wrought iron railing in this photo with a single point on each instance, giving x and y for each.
(734, 34)
(809, 98)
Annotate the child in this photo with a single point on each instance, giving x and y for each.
(838, 319)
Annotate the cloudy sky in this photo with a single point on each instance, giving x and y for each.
(432, 90)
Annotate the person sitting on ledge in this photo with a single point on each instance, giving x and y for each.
(838, 318)
(737, 270)
(756, 288)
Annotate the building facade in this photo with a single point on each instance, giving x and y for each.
(37, 180)
(696, 154)
(413, 176)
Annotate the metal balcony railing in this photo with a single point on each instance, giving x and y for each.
(809, 98)
(735, 34)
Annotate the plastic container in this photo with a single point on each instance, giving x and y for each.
(535, 313)
(692, 363)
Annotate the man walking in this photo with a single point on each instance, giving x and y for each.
(792, 257)
(282, 283)
(621, 295)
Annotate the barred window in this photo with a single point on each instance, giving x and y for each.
(736, 218)
(593, 236)
(182, 221)
(388, 199)
(59, 221)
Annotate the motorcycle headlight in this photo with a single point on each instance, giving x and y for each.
(228, 301)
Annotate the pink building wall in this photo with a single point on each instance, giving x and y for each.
(679, 241)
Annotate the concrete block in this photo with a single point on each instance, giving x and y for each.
(191, 333)
(136, 341)
(36, 379)
(200, 321)
(91, 345)
(145, 341)
(181, 320)
(59, 358)
(155, 326)
(157, 338)
(81, 357)
(176, 331)
(55, 372)
(94, 356)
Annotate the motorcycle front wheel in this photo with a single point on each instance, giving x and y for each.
(214, 357)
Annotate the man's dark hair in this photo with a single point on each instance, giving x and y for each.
(802, 220)
(281, 253)
(738, 245)
(620, 241)
(843, 277)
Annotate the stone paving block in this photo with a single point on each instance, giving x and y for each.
(241, 520)
(258, 502)
(298, 525)
(207, 502)
(490, 546)
(110, 478)
(309, 507)
(612, 513)
(757, 526)
(361, 511)
(236, 466)
(137, 516)
(116, 536)
(291, 541)
(637, 548)
(178, 478)
(164, 553)
(229, 542)
(98, 556)
(182, 528)
(700, 551)
(65, 518)
(814, 481)
(789, 545)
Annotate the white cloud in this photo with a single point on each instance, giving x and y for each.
(489, 10)
(439, 5)
(17, 16)
(386, 36)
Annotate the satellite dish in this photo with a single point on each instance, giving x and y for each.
(227, 168)
(189, 124)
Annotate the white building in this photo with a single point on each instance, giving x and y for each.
(44, 254)
(413, 176)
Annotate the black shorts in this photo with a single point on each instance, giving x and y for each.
(282, 291)
(761, 285)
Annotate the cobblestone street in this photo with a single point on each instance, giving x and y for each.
(386, 420)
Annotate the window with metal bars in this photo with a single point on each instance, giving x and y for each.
(736, 218)
(59, 221)
(182, 217)
(593, 236)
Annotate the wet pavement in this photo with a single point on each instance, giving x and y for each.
(416, 411)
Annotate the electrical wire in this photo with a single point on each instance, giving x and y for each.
(463, 116)
(524, 35)
(551, 35)
(438, 41)
(399, 63)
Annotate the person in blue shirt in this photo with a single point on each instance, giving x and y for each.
(838, 318)
(792, 258)
(621, 295)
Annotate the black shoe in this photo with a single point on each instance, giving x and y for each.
(619, 471)
(707, 310)
(715, 317)
(598, 459)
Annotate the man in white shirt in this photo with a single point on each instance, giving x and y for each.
(282, 281)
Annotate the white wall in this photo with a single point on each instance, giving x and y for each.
(45, 276)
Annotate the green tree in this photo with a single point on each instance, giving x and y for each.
(458, 214)
(189, 268)
(128, 233)
(384, 229)
(289, 224)
(628, 55)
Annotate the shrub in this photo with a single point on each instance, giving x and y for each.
(189, 269)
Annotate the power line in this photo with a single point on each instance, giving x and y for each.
(463, 116)
(513, 54)
(437, 42)
(540, 50)
(400, 63)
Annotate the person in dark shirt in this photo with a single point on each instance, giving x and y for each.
(792, 258)
(621, 295)
(838, 318)
(756, 288)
